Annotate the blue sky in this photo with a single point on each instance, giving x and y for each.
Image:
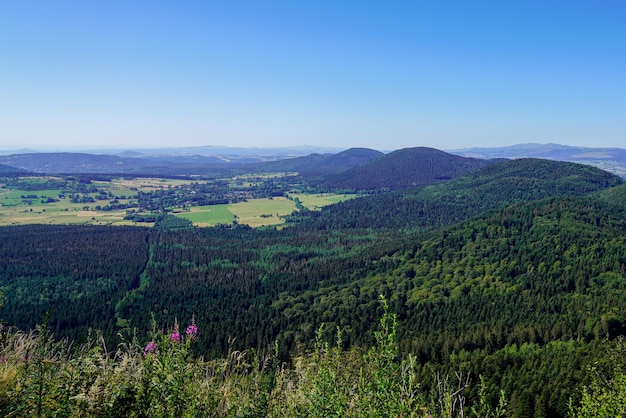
(377, 74)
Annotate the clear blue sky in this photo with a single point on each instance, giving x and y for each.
(377, 74)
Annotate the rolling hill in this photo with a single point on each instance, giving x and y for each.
(312, 165)
(491, 187)
(522, 295)
(403, 169)
(315, 165)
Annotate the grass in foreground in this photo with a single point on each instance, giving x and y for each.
(43, 377)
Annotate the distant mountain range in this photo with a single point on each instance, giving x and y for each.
(548, 151)
(360, 169)
(227, 153)
(356, 169)
(312, 165)
(609, 159)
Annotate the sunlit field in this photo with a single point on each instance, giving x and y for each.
(54, 207)
(260, 212)
(318, 201)
(208, 215)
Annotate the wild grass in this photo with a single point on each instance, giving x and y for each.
(41, 377)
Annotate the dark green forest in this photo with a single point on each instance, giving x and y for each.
(515, 272)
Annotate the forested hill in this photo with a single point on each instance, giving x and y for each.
(522, 295)
(492, 187)
(316, 165)
(615, 195)
(403, 169)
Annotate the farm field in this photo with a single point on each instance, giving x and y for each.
(318, 201)
(30, 205)
(258, 212)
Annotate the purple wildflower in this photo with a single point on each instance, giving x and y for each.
(192, 331)
(151, 348)
(176, 332)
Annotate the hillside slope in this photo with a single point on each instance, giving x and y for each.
(492, 187)
(509, 296)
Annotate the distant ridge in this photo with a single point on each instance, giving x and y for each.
(65, 162)
(343, 161)
(72, 163)
(189, 151)
(178, 163)
(549, 151)
(7, 169)
(315, 165)
(405, 168)
(609, 159)
(17, 151)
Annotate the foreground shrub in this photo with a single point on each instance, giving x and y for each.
(330, 382)
(605, 396)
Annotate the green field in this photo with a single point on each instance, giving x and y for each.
(318, 201)
(258, 212)
(21, 207)
(208, 215)
(59, 213)
(255, 212)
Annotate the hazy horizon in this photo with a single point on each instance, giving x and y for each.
(295, 149)
(380, 75)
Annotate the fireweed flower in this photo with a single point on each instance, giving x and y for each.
(151, 348)
(192, 330)
(176, 332)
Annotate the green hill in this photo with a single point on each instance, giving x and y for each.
(403, 169)
(508, 295)
(492, 187)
